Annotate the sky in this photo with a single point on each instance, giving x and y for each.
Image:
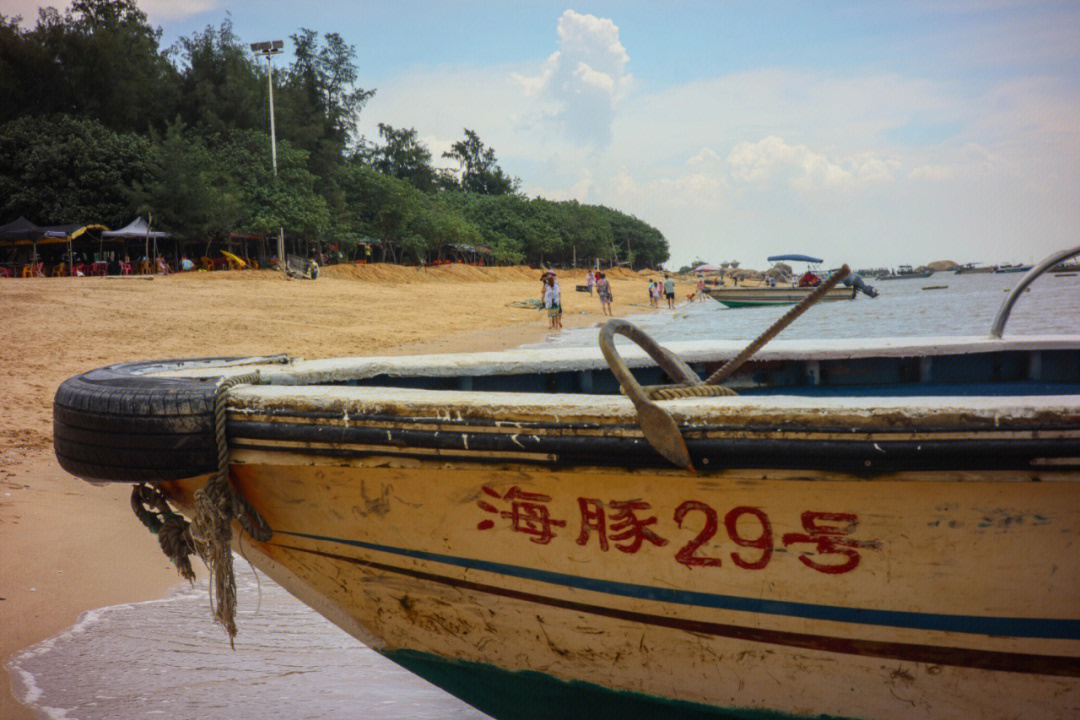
(868, 132)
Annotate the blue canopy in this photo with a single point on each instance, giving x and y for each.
(795, 258)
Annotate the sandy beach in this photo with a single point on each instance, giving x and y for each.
(67, 546)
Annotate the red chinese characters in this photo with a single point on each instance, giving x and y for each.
(826, 545)
(528, 514)
(628, 531)
(830, 539)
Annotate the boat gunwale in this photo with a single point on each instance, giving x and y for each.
(521, 361)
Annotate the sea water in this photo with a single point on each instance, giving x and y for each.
(966, 305)
(166, 659)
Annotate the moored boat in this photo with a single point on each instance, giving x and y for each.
(905, 272)
(1012, 268)
(783, 289)
(740, 296)
(973, 269)
(867, 529)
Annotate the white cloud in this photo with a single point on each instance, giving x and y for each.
(584, 80)
(801, 167)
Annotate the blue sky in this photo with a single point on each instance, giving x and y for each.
(873, 133)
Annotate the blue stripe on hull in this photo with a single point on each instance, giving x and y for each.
(1001, 626)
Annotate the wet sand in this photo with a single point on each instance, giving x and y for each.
(67, 546)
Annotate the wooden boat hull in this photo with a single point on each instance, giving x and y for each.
(839, 552)
(736, 297)
(901, 596)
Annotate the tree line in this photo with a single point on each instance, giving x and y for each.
(99, 122)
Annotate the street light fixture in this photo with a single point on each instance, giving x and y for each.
(269, 49)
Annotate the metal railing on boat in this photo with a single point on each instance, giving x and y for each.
(1006, 307)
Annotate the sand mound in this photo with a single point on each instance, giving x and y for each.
(386, 273)
(394, 274)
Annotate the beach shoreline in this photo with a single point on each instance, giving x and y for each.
(67, 546)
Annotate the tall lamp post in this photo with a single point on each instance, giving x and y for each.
(268, 49)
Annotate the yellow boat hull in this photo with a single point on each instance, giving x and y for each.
(804, 594)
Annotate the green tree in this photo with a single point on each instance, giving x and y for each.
(479, 171)
(320, 105)
(59, 170)
(289, 199)
(189, 192)
(403, 156)
(220, 84)
(100, 59)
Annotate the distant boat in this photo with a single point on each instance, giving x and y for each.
(905, 272)
(791, 291)
(971, 268)
(1012, 268)
(735, 297)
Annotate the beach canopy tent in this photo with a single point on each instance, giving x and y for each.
(706, 268)
(24, 232)
(66, 233)
(137, 229)
(20, 230)
(795, 258)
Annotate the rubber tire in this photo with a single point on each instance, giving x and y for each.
(115, 424)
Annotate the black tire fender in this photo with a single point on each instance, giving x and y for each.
(118, 424)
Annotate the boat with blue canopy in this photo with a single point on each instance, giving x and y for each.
(782, 288)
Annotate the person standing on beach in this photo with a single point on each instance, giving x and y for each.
(590, 281)
(701, 290)
(603, 289)
(553, 301)
(669, 291)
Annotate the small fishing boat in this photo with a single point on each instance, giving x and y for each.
(876, 528)
(1012, 268)
(739, 296)
(973, 268)
(905, 272)
(786, 290)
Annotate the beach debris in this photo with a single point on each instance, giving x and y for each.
(530, 304)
